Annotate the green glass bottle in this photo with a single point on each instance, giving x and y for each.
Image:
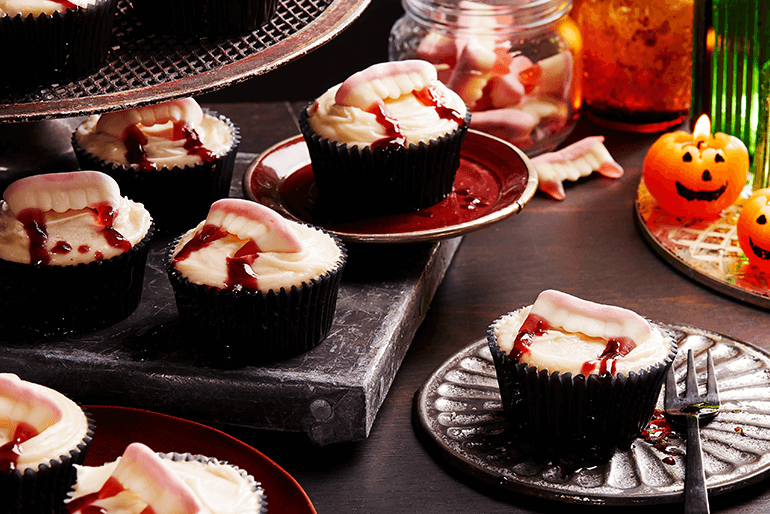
(741, 46)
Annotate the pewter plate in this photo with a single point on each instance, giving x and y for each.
(459, 412)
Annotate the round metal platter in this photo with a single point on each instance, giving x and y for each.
(459, 412)
(705, 250)
(143, 67)
(281, 178)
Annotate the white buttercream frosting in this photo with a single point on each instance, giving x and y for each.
(274, 270)
(567, 352)
(55, 440)
(214, 134)
(78, 229)
(37, 7)
(219, 488)
(357, 127)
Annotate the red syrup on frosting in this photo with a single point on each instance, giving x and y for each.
(10, 451)
(532, 327)
(135, 141)
(240, 275)
(394, 138)
(33, 220)
(66, 4)
(110, 489)
(61, 248)
(607, 361)
(430, 98)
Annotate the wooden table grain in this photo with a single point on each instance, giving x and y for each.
(587, 245)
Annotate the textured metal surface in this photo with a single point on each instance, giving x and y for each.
(144, 67)
(458, 410)
(332, 392)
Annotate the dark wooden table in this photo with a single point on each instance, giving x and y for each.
(587, 245)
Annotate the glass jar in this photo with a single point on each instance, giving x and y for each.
(517, 65)
(637, 62)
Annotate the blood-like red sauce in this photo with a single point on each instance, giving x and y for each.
(66, 4)
(33, 220)
(659, 433)
(533, 326)
(10, 451)
(607, 361)
(110, 489)
(430, 98)
(135, 142)
(240, 274)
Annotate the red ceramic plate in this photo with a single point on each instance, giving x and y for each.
(494, 181)
(117, 427)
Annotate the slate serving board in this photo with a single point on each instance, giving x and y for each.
(332, 393)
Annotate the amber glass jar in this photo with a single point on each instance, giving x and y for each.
(515, 64)
(637, 62)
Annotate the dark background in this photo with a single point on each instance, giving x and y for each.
(363, 43)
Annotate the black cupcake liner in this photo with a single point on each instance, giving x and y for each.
(55, 48)
(372, 182)
(43, 491)
(176, 197)
(255, 486)
(576, 417)
(205, 17)
(237, 328)
(48, 300)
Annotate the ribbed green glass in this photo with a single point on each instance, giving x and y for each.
(761, 157)
(742, 35)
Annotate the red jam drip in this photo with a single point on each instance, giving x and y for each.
(84, 249)
(61, 247)
(33, 221)
(10, 451)
(110, 489)
(193, 143)
(66, 4)
(105, 216)
(607, 361)
(240, 275)
(532, 327)
(430, 98)
(394, 138)
(135, 141)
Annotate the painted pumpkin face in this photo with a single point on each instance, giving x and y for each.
(696, 178)
(754, 229)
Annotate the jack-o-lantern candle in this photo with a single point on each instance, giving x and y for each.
(754, 229)
(696, 175)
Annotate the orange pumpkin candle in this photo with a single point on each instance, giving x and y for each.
(696, 175)
(754, 229)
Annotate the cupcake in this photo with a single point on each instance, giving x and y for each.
(252, 286)
(386, 140)
(144, 481)
(173, 157)
(72, 253)
(578, 379)
(50, 41)
(44, 435)
(205, 17)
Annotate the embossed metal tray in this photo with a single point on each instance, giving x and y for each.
(459, 412)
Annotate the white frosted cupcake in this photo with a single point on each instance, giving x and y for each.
(385, 140)
(72, 253)
(253, 286)
(144, 481)
(46, 41)
(576, 377)
(174, 157)
(43, 434)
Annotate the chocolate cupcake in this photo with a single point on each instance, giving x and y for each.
(72, 253)
(174, 157)
(50, 434)
(252, 286)
(578, 379)
(54, 41)
(205, 17)
(144, 481)
(387, 140)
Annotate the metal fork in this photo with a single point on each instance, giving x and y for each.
(691, 410)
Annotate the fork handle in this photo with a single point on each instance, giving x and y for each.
(696, 499)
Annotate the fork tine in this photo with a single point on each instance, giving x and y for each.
(712, 389)
(691, 389)
(671, 394)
